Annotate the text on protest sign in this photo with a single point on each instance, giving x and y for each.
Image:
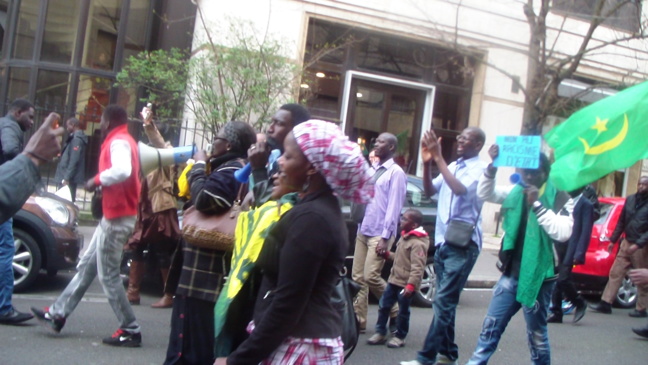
(518, 151)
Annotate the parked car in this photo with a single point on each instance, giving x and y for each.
(415, 198)
(45, 237)
(591, 277)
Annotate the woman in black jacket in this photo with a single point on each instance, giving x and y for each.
(295, 320)
(192, 322)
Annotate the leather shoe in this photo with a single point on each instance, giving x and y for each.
(643, 332)
(14, 317)
(602, 307)
(377, 339)
(638, 314)
(579, 313)
(554, 318)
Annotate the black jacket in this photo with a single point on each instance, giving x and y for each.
(12, 138)
(633, 221)
(301, 260)
(579, 241)
(71, 167)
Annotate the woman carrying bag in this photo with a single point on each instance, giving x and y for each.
(295, 320)
(192, 321)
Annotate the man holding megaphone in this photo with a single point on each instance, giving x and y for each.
(263, 155)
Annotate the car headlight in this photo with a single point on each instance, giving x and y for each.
(55, 209)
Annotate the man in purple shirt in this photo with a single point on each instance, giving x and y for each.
(377, 232)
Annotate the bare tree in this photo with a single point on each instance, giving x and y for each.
(548, 66)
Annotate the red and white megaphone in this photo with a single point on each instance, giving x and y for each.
(154, 158)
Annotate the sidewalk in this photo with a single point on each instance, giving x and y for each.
(485, 274)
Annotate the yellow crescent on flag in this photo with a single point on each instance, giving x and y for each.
(609, 144)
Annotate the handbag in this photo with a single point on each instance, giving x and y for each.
(96, 204)
(214, 232)
(342, 297)
(458, 233)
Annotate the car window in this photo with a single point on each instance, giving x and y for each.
(416, 197)
(606, 209)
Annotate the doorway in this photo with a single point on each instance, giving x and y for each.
(376, 104)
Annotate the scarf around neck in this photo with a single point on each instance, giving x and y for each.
(537, 262)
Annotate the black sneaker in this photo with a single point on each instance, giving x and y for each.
(14, 317)
(55, 322)
(123, 338)
(554, 318)
(602, 307)
(638, 314)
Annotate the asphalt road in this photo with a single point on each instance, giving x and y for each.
(597, 339)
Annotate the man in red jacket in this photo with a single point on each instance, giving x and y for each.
(120, 185)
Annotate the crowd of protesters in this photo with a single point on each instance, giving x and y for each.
(291, 242)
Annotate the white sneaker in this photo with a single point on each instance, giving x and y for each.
(411, 362)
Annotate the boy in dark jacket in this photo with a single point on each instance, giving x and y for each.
(409, 265)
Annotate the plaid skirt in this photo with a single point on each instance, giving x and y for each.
(306, 351)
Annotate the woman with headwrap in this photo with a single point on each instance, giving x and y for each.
(295, 321)
(200, 270)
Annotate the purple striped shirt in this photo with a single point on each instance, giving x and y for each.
(383, 212)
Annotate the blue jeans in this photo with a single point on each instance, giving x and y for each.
(502, 308)
(7, 251)
(390, 296)
(452, 266)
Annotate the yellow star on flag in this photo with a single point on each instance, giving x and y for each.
(601, 125)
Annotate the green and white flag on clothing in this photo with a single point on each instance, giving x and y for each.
(608, 135)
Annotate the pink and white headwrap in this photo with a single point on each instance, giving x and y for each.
(339, 160)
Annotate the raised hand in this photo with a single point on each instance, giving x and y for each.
(430, 146)
(45, 144)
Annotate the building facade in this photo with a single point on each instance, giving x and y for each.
(63, 55)
(407, 66)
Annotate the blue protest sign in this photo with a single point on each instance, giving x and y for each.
(518, 151)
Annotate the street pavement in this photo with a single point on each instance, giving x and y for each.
(597, 339)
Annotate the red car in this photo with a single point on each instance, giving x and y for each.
(592, 277)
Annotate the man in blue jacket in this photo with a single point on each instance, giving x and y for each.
(12, 126)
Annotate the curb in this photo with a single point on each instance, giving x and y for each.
(480, 283)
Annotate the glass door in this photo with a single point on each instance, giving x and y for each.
(376, 107)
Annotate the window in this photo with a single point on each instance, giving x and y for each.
(101, 34)
(18, 83)
(52, 90)
(626, 17)
(136, 29)
(26, 29)
(4, 12)
(60, 34)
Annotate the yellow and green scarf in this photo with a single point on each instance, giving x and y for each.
(252, 228)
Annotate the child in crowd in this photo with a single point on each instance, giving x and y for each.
(409, 264)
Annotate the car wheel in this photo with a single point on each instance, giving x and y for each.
(27, 260)
(425, 295)
(627, 295)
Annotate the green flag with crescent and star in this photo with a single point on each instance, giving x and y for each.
(605, 136)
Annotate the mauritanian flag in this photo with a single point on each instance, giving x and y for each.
(608, 135)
